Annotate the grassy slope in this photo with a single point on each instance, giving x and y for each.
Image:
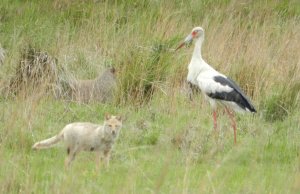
(167, 145)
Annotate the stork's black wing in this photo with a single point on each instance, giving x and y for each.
(236, 95)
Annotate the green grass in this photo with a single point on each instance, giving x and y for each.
(145, 159)
(167, 144)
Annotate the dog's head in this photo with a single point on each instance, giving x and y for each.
(112, 124)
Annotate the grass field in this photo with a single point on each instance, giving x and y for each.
(167, 144)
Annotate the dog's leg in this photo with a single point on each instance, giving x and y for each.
(107, 157)
(71, 156)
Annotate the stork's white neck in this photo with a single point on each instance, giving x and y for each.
(197, 50)
(197, 64)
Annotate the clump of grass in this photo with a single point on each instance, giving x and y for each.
(143, 73)
(37, 71)
(275, 108)
(282, 103)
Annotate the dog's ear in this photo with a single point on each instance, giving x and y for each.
(107, 116)
(119, 118)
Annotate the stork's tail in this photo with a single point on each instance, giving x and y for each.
(48, 143)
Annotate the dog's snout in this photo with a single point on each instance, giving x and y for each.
(113, 132)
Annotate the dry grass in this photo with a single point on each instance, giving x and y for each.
(255, 43)
(36, 71)
(167, 145)
(2, 55)
(37, 74)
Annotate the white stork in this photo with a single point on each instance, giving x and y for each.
(216, 87)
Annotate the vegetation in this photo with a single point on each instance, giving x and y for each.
(167, 144)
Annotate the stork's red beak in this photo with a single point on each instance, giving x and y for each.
(187, 40)
(180, 46)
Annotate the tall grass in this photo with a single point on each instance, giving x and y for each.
(255, 43)
(167, 144)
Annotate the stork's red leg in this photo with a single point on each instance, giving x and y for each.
(215, 119)
(231, 116)
(216, 132)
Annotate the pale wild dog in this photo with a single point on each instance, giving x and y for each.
(100, 89)
(86, 137)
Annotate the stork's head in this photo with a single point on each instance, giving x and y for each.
(197, 33)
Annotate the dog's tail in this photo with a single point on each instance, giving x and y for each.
(48, 143)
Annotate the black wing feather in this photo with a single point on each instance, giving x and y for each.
(236, 95)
